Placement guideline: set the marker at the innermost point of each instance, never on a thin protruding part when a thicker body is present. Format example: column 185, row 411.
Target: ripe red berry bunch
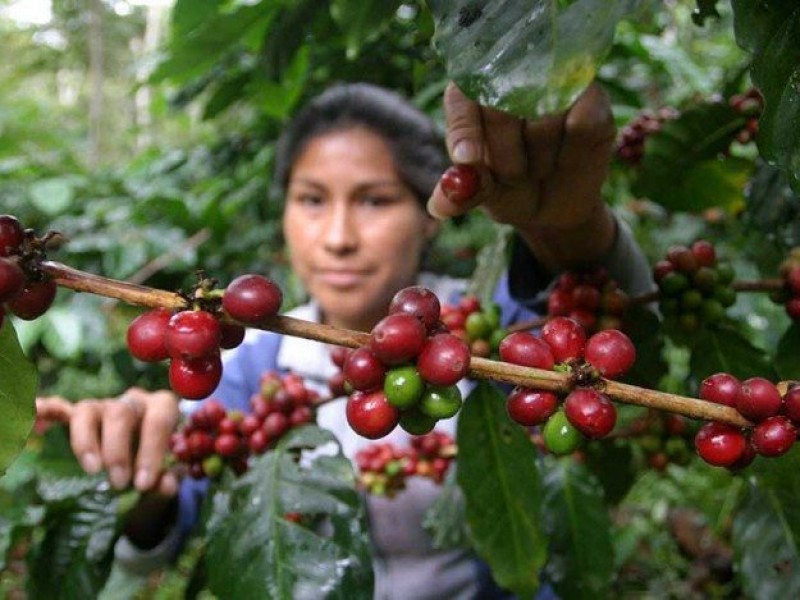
column 695, row 287
column 789, row 296
column 776, row 417
column 408, row 371
column 192, row 339
column 384, row 468
column 630, row 148
column 750, row 105
column 476, row 324
column 663, row 438
column 586, row 411
column 24, row 290
column 213, row 437
column 591, row 298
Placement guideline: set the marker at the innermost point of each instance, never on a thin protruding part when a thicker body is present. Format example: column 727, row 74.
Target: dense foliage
column 181, row 190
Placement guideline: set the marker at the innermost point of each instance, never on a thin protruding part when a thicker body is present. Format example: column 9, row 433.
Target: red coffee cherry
column 591, row 412
column 773, row 436
column 791, row 405
column 611, row 352
column 397, row 338
column 252, row 298
column 758, row 398
column 419, row 302
column 525, row 349
column 704, row 252
column 227, row 445
column 146, row 335
column 231, row 335
column 719, row 444
column 722, row 388
column 195, row 379
column 363, row 370
column 565, row 337
column 661, row 269
column 12, row 279
column 11, row 235
column 192, row 334
column 371, row 415
column 444, row 359
column 460, row 183
column 34, row 299
column 531, row 407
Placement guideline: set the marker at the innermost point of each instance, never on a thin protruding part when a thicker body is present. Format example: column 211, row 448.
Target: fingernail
column 465, row 151
column 432, row 211
column 90, row 462
column 118, row 476
column 142, row 481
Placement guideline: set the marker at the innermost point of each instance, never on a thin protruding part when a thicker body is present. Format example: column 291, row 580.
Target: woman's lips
column 341, row 278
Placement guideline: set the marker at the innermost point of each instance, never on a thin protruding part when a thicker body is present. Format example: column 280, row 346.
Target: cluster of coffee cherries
column 408, row 371
column 213, row 437
column 586, row 411
column 591, row 298
column 750, row 105
column 24, row 290
column 775, row 415
column 476, row 324
column 632, row 138
column 384, row 468
column 663, row 438
column 695, row 288
column 192, row 339
column 789, row 296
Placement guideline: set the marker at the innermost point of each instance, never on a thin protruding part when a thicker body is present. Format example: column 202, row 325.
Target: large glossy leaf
column 500, row 480
column 770, row 29
column 787, row 356
column 361, row 20
column 682, row 168
column 772, row 208
column 254, row 551
column 643, row 327
column 526, row 57
column 18, row 383
column 766, row 531
column 74, row 558
column 726, row 349
column 581, row 561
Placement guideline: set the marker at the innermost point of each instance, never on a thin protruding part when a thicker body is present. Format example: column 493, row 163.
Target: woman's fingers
column 158, row 422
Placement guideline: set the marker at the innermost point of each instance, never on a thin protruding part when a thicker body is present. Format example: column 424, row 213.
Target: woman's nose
column 341, row 233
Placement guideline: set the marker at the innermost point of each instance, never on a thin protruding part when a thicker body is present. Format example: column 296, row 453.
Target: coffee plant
column 619, row 444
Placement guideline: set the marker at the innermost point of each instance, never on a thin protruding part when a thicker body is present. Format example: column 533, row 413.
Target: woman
column 357, row 167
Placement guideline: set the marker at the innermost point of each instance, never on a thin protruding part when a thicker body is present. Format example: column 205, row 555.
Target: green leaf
column 52, row 196
column 726, row 349
column 498, row 475
column 770, row 29
column 74, row 558
column 361, row 20
column 526, row 57
column 18, row 382
column 255, row 552
column 766, row 529
column 643, row 327
column 682, row 167
column 581, row 562
column 445, row 520
column 773, row 209
column 787, row 356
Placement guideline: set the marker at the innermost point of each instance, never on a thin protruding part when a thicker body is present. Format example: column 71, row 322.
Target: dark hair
column 415, row 143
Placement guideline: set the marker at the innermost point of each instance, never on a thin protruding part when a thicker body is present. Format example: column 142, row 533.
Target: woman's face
column 355, row 231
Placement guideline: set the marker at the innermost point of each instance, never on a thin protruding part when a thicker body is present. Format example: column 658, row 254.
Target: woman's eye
column 309, row 199
column 376, row 200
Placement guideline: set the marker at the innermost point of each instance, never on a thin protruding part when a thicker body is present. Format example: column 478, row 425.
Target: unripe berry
column 440, row 402
column 559, row 435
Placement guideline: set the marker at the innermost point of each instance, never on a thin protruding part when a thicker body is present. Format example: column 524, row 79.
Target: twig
column 479, row 367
